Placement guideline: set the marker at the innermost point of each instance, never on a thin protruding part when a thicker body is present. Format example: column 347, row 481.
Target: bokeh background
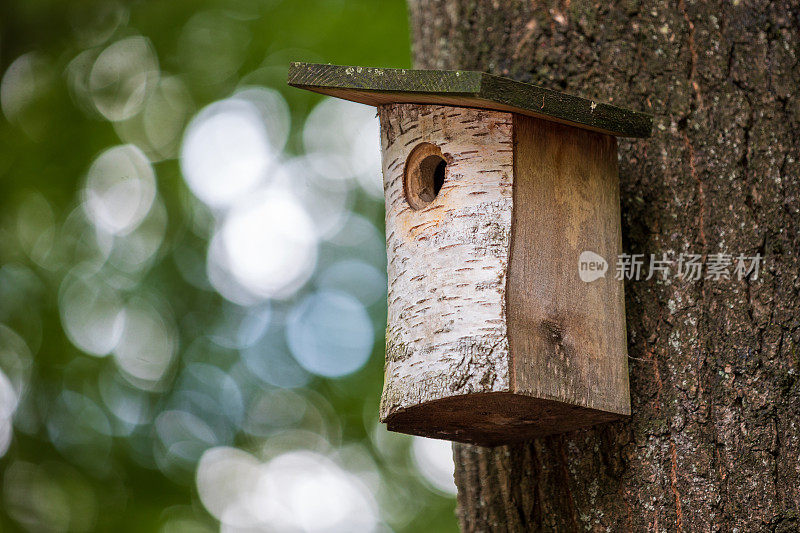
column 192, row 274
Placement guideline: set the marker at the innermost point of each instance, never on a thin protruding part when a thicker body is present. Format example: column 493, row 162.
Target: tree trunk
column 714, row 439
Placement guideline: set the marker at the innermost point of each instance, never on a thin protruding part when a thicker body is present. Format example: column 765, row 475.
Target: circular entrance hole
column 423, row 176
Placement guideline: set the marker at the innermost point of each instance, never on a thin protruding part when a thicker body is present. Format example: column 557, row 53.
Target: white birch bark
column 447, row 262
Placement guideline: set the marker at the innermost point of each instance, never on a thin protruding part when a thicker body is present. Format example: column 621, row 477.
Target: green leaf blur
column 174, row 355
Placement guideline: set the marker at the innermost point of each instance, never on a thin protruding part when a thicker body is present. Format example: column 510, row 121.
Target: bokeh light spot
column 120, row 189
column 226, row 478
column 146, row 347
column 23, row 91
column 330, row 334
column 36, row 227
column 182, row 439
column 92, row 314
column 268, row 245
column 226, row 152
column 80, row 430
column 158, row 129
column 295, row 491
column 135, row 251
column 354, row 277
column 122, row 77
column 306, row 491
column 434, row 460
column 351, row 131
column 270, row 361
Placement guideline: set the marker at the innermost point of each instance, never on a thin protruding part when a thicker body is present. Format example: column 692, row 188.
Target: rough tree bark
column 714, row 440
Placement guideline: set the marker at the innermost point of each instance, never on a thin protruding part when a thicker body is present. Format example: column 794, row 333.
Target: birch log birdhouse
column 494, row 189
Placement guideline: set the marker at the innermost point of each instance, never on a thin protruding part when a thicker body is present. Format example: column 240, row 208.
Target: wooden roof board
column 377, row 86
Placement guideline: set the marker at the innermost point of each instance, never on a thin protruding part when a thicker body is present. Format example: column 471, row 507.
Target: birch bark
column 447, row 262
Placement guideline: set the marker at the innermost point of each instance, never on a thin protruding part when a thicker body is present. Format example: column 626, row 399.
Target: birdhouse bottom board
column 492, row 336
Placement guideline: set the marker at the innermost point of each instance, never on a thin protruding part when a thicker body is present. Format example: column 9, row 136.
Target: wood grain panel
column 567, row 336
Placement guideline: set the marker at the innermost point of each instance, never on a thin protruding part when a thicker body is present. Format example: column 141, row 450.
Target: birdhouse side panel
column 567, row 333
column 447, row 261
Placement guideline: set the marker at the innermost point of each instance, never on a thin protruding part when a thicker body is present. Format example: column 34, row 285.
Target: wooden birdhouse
column 494, row 190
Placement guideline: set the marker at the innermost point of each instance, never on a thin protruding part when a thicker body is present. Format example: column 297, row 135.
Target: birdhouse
column 494, row 190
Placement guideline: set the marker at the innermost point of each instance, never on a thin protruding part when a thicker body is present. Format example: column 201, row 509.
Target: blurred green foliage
column 71, row 464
